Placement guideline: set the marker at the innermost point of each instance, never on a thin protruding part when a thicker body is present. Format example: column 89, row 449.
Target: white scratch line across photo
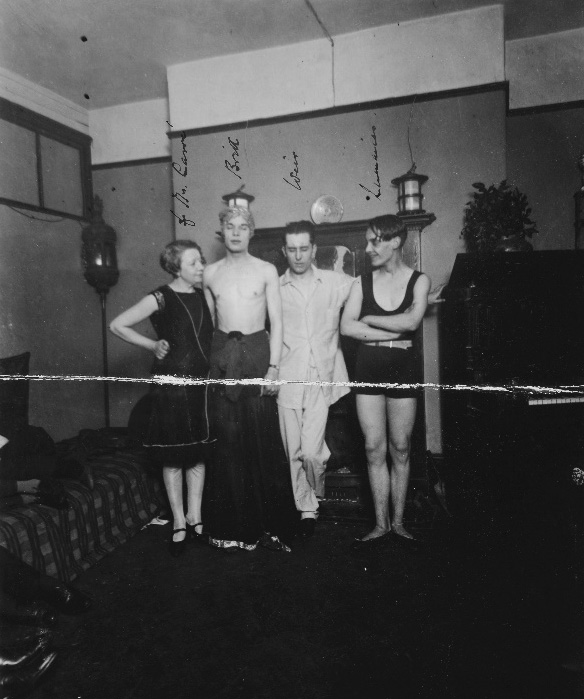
column 176, row 380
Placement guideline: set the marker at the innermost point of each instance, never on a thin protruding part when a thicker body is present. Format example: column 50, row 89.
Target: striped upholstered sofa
column 64, row 542
column 125, row 496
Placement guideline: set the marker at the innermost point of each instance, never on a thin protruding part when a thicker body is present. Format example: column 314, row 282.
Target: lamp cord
column 413, row 168
column 330, row 38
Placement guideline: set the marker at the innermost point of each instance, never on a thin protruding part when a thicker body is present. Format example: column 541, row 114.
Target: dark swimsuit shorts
column 387, row 365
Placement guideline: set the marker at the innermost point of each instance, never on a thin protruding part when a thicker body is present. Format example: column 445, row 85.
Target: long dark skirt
column 249, row 489
column 173, row 422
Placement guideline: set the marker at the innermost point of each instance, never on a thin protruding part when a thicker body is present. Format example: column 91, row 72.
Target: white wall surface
column 454, row 51
column 546, row 69
column 127, row 132
column 457, row 50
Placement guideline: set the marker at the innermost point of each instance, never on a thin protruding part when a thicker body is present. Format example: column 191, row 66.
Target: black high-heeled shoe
column 194, row 535
column 177, row 548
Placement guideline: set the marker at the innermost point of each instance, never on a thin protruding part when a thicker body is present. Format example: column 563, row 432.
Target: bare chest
column 232, row 286
column 389, row 294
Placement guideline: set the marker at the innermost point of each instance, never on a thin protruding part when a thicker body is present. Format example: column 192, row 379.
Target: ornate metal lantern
column 100, row 264
column 409, row 192
column 99, row 251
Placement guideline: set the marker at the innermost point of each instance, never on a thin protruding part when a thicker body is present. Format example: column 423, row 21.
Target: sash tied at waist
column 238, row 356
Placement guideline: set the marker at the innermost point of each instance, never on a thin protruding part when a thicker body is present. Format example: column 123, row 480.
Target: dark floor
column 322, row 622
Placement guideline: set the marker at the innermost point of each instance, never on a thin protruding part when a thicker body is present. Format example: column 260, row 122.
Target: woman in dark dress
column 383, row 310
column 174, row 418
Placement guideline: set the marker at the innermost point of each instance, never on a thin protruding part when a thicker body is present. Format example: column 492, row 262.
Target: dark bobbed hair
column 388, row 227
column 171, row 256
column 295, row 227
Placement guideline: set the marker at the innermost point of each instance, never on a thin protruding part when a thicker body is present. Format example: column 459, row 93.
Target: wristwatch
column 273, row 366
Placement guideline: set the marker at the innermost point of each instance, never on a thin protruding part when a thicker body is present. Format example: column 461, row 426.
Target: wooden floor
column 464, row 617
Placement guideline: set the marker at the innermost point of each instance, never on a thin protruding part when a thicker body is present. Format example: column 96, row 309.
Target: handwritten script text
column 182, row 170
column 377, row 184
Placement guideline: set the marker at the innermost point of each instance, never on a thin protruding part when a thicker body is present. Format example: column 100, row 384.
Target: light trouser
column 303, row 436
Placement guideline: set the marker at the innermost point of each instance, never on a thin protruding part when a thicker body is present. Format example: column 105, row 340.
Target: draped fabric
column 249, row 491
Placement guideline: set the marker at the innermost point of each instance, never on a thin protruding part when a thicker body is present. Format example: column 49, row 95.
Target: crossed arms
column 380, row 328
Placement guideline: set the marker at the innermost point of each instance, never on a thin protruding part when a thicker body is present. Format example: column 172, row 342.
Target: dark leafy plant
column 494, row 213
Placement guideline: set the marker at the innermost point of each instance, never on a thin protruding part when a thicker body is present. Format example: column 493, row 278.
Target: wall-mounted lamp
column 100, row 269
column 98, row 253
column 409, row 186
column 238, row 198
column 409, row 192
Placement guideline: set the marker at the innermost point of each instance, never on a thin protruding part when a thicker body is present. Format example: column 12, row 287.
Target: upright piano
column 512, row 376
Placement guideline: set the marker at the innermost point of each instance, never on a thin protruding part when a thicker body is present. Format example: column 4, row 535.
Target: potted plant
column 497, row 218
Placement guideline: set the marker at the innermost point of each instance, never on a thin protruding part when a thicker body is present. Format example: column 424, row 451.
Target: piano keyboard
column 559, row 400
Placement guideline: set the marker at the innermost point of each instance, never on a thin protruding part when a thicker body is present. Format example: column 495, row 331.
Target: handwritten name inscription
column 377, row 183
column 293, row 173
column 232, row 165
column 182, row 170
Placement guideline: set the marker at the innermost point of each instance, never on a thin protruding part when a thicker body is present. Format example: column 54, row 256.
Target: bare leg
column 401, row 413
column 173, row 482
column 371, row 411
column 195, row 481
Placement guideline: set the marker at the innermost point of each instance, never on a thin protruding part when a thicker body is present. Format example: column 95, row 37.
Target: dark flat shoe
column 306, row 528
column 177, row 548
column 370, row 544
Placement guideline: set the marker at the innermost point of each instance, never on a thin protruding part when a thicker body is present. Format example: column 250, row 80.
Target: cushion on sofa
column 64, row 543
column 14, row 394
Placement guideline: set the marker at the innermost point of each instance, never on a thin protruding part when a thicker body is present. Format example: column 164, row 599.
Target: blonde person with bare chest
column 250, row 498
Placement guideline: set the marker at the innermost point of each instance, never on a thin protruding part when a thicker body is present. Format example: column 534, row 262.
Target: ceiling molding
column 19, row 90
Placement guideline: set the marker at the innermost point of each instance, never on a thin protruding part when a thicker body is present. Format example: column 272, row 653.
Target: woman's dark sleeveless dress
column 174, row 419
column 387, row 364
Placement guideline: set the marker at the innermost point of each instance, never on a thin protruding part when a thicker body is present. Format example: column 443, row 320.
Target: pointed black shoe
column 194, row 535
column 306, row 528
column 177, row 548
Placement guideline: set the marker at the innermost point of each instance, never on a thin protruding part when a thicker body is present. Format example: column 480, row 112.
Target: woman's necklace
column 192, row 321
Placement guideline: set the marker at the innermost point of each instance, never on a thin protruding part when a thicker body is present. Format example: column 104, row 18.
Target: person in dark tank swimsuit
column 383, row 311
